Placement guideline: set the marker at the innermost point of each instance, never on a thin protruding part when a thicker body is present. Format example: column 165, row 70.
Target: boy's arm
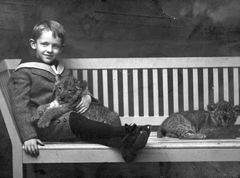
column 84, row 104
column 93, row 99
column 86, row 95
column 86, row 98
column 19, row 87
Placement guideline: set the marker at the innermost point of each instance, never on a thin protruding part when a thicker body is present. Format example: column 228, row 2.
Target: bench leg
column 17, row 163
column 18, row 167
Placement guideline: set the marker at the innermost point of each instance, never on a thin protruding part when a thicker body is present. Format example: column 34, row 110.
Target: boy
column 32, row 84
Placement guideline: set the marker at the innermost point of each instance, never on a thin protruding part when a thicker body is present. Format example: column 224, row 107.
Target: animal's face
column 68, row 87
column 224, row 114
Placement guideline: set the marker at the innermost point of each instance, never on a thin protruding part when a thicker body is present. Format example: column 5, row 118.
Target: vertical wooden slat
column 145, row 93
column 135, row 92
column 155, row 93
column 95, row 83
column 195, row 90
column 215, row 85
column 175, row 91
column 185, row 90
column 165, row 92
column 205, row 88
column 125, row 93
column 75, row 73
column 85, row 75
column 225, row 84
column 105, row 87
column 115, row 91
column 236, row 86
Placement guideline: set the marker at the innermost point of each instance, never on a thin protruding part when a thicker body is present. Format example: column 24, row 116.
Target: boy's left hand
column 84, row 104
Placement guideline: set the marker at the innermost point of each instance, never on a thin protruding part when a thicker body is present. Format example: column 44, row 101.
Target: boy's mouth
column 48, row 56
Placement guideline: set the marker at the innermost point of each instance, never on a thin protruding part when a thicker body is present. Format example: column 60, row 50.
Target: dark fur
column 68, row 92
column 200, row 124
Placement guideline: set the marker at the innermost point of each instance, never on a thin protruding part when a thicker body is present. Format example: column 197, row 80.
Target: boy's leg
column 129, row 139
column 89, row 130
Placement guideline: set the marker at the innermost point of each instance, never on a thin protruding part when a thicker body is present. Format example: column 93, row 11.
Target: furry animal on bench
column 214, row 123
column 68, row 92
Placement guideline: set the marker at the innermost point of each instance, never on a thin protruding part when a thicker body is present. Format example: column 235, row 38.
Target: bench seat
column 157, row 150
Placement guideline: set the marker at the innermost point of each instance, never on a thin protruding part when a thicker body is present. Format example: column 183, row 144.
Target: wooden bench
column 142, row 91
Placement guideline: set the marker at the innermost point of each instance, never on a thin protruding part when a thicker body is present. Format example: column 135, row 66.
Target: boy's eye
column 56, row 46
column 44, row 44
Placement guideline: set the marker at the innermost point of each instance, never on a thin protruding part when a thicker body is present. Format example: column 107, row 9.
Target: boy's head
column 49, row 25
column 47, row 40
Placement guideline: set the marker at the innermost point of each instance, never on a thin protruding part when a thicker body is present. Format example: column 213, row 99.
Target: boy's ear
column 63, row 45
column 32, row 43
column 211, row 107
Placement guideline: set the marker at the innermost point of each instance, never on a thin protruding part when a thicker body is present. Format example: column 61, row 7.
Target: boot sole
column 141, row 141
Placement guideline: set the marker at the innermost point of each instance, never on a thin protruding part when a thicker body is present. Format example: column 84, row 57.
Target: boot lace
column 131, row 129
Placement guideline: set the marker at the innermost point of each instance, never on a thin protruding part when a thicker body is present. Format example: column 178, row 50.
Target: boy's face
column 47, row 47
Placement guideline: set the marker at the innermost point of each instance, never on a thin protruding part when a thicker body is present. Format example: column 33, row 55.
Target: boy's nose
column 50, row 48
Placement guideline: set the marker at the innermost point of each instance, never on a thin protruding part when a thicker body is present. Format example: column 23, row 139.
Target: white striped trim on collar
column 37, row 65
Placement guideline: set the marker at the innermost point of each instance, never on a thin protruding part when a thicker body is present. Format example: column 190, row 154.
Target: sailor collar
column 37, row 65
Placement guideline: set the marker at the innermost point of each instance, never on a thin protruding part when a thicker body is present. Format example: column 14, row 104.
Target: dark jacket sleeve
column 19, row 86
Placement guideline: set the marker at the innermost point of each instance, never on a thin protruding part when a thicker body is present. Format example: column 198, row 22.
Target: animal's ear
column 237, row 109
column 82, row 85
column 211, row 107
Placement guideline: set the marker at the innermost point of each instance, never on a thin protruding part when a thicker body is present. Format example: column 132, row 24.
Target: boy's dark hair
column 55, row 27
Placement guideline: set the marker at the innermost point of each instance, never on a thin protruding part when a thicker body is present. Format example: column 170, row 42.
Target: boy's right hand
column 31, row 146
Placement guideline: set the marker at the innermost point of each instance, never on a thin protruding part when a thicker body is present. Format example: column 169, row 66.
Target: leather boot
column 135, row 139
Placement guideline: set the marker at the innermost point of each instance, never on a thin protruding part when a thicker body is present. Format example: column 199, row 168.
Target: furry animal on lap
column 217, row 122
column 68, row 92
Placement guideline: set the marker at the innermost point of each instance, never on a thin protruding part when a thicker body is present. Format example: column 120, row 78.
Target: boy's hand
column 31, row 146
column 84, row 104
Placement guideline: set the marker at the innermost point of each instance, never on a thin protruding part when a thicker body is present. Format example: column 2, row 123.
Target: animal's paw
column 201, row 136
column 43, row 123
column 194, row 136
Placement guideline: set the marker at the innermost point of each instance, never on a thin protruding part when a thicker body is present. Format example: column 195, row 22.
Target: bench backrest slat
column 151, row 62
column 115, row 90
column 105, row 87
column 205, row 87
column 236, row 85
